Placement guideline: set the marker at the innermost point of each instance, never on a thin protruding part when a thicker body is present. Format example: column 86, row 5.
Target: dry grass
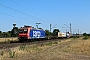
column 55, row 51
column 8, row 39
column 80, row 47
column 20, row 51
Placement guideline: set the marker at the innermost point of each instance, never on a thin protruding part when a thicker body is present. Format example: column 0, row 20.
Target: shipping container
column 61, row 34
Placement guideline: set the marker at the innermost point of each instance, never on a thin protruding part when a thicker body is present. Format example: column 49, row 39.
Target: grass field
column 70, row 49
column 8, row 39
column 80, row 47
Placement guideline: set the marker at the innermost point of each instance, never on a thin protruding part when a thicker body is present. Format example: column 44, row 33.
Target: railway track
column 17, row 43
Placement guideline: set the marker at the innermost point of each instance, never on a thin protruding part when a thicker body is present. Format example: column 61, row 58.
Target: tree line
column 14, row 33
column 15, row 30
column 85, row 34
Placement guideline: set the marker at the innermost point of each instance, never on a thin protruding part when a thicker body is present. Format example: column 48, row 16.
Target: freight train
column 30, row 33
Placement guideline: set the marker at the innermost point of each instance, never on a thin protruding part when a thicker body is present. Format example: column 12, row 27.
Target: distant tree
column 40, row 28
column 55, row 32
column 8, row 34
column 85, row 34
column 89, row 34
column 0, row 33
column 47, row 32
column 4, row 34
column 14, row 32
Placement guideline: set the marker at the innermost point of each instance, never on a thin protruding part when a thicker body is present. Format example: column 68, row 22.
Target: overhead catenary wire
column 31, row 11
column 14, row 16
column 28, row 9
column 17, row 17
column 20, row 12
column 17, row 10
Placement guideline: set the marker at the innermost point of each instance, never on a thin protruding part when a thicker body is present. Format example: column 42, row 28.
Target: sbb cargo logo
column 36, row 34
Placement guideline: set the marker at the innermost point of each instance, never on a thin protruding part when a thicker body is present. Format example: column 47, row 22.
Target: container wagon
column 63, row 35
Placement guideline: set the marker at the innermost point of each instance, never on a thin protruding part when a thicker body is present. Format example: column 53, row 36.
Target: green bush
column 55, row 43
column 1, row 53
column 22, row 47
column 11, row 54
column 85, row 38
column 42, row 44
column 8, row 41
column 49, row 44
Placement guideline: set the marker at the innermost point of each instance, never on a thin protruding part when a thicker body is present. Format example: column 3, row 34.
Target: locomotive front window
column 20, row 30
column 23, row 30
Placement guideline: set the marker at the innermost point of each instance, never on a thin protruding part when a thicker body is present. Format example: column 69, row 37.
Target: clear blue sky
column 60, row 12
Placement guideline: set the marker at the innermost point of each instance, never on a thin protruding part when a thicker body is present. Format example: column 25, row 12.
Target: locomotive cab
column 23, row 33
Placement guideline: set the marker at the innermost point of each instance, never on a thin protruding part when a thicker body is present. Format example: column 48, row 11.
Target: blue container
column 35, row 33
